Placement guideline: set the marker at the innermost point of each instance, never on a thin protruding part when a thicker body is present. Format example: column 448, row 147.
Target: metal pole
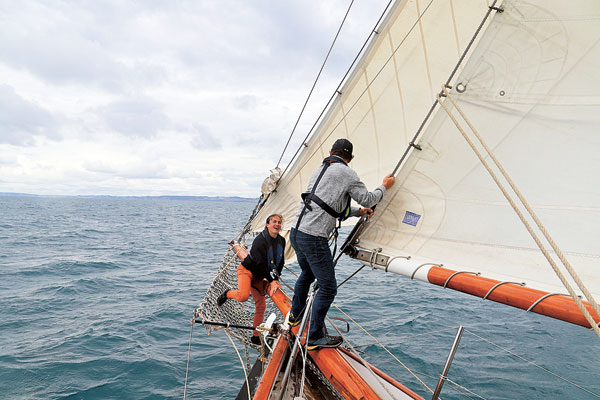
column 438, row 388
column 228, row 325
column 305, row 318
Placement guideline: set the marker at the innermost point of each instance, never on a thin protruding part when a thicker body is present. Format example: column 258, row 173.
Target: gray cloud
column 132, row 170
column 141, row 117
column 82, row 44
column 21, row 120
column 245, row 102
column 227, row 77
column 203, row 139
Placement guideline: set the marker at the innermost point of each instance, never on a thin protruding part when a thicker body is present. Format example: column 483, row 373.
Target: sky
column 154, row 97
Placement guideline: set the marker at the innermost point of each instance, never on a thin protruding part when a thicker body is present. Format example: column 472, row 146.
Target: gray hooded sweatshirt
column 338, row 180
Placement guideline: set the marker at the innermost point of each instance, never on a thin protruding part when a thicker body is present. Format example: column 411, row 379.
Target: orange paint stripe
column 559, row 307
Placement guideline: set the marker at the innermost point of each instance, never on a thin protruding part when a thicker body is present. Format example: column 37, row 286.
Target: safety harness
column 273, row 259
column 307, row 197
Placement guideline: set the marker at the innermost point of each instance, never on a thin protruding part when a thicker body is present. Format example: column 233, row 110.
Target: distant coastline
column 164, row 197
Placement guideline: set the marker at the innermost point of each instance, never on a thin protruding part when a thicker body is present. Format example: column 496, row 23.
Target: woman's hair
column 274, row 215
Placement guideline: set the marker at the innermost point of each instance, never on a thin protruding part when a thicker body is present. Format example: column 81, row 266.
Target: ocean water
column 96, row 297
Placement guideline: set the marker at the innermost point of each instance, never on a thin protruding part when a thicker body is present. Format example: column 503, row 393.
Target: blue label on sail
column 411, row 218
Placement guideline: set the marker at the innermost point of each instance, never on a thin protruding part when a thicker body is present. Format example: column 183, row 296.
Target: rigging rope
column 463, row 388
column 515, row 207
column 411, row 336
column 242, row 361
column 187, row 368
column 380, row 380
column 534, row 364
column 315, row 82
column 383, row 347
column 337, row 90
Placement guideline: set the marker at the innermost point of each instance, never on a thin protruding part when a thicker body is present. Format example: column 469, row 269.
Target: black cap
column 343, row 145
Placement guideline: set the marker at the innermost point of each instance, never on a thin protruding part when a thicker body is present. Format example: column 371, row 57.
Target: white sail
column 531, row 90
column 387, row 96
column 528, row 83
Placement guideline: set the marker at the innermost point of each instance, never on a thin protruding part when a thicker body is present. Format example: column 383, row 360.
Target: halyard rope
column 539, row 224
column 535, row 237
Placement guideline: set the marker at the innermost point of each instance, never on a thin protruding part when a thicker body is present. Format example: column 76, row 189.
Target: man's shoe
column 294, row 321
column 222, row 298
column 325, row 341
column 255, row 340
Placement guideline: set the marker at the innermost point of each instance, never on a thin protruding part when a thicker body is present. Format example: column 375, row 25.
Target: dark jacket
column 260, row 261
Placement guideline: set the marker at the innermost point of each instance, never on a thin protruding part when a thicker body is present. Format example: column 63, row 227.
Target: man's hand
column 364, row 211
column 389, row 181
column 273, row 275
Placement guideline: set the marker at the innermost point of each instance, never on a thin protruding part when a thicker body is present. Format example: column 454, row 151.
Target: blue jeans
column 316, row 261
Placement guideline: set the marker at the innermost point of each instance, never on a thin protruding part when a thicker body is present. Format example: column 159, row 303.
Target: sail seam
column 433, row 106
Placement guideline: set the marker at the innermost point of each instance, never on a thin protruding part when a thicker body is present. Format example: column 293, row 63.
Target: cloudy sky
column 154, row 97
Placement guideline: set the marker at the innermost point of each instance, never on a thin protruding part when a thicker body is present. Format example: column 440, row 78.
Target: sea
column 96, row 297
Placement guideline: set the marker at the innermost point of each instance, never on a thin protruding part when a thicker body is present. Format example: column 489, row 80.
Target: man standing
column 327, row 198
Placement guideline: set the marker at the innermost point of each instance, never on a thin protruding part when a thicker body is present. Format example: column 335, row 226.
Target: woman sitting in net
column 261, row 267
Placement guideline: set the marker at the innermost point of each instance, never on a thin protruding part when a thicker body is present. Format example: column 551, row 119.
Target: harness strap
column 342, row 215
column 273, row 259
column 326, row 165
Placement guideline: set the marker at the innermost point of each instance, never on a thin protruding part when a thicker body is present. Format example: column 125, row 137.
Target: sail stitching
column 535, row 237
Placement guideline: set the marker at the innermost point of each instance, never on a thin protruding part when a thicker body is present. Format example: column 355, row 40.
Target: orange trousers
column 246, row 285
